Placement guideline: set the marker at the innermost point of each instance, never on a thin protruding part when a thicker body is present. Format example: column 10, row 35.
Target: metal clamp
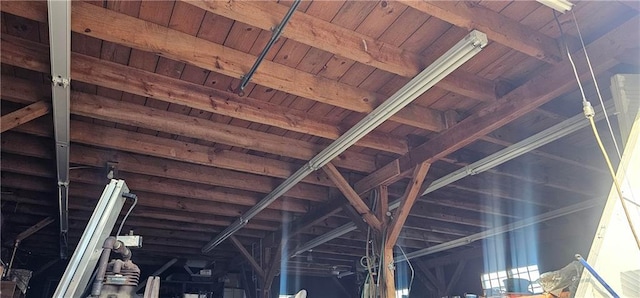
column 60, row 81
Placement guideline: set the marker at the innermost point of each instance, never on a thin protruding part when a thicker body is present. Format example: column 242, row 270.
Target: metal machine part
column 120, row 280
column 78, row 273
column 110, row 244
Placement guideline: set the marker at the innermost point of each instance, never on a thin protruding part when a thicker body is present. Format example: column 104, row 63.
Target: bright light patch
column 402, row 293
column 494, row 281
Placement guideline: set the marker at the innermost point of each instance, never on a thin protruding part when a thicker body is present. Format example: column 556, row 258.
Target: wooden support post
column 24, row 115
column 383, row 204
column 410, row 196
column 352, row 196
column 270, row 273
column 247, row 256
column 439, row 287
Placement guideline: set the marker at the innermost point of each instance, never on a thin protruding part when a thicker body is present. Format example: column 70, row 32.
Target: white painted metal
column 60, row 49
column 76, row 277
column 614, row 253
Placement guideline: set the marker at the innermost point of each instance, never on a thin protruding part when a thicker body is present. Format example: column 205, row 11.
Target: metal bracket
column 60, row 81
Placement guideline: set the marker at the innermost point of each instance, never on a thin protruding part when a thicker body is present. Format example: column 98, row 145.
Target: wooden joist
column 247, row 256
column 332, row 38
column 34, row 56
column 354, row 199
column 498, row 28
column 96, row 22
column 24, row 115
column 548, row 85
column 157, row 169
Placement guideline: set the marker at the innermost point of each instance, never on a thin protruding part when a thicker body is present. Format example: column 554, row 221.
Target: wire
column 595, row 83
column 615, row 181
column 589, row 113
column 412, row 271
column 573, row 65
column 135, row 201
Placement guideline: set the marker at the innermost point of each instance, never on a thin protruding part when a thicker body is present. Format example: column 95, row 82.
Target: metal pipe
column 274, row 37
column 597, row 276
column 111, row 243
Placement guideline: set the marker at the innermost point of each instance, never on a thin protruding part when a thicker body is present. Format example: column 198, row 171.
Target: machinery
column 117, row 278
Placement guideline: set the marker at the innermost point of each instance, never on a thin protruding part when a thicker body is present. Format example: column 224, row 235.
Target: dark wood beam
column 186, row 175
column 354, row 199
column 408, row 199
column 247, row 256
column 332, row 38
column 498, row 28
column 551, row 83
column 455, row 277
column 35, row 56
column 95, row 21
column 24, row 115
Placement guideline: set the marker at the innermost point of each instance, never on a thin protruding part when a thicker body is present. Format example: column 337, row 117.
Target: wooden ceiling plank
column 15, row 51
column 548, row 85
column 497, row 27
column 230, row 62
column 157, row 169
column 95, row 21
column 350, row 44
column 24, row 115
column 27, row 166
column 354, row 199
column 118, row 139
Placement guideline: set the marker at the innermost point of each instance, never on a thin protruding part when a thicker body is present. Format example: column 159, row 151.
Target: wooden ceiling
column 152, row 91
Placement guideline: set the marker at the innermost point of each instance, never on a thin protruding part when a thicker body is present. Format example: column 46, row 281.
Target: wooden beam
column 34, row 229
column 383, row 204
column 303, row 223
column 332, row 38
column 353, row 198
column 34, row 56
column 158, row 168
column 410, row 196
column 272, row 269
column 551, row 83
column 137, row 115
column 498, row 28
column 455, row 277
column 247, row 256
column 97, row 22
column 431, row 277
column 24, row 115
column 355, row 217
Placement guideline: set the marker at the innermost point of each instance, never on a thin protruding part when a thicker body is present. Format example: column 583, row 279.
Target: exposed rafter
column 498, row 27
column 524, row 99
column 334, row 39
column 24, row 115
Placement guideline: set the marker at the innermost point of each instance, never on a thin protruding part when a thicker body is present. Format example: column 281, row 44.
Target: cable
column 135, row 201
column 573, row 65
column 412, row 271
column 589, row 113
column 613, row 175
column 595, row 83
